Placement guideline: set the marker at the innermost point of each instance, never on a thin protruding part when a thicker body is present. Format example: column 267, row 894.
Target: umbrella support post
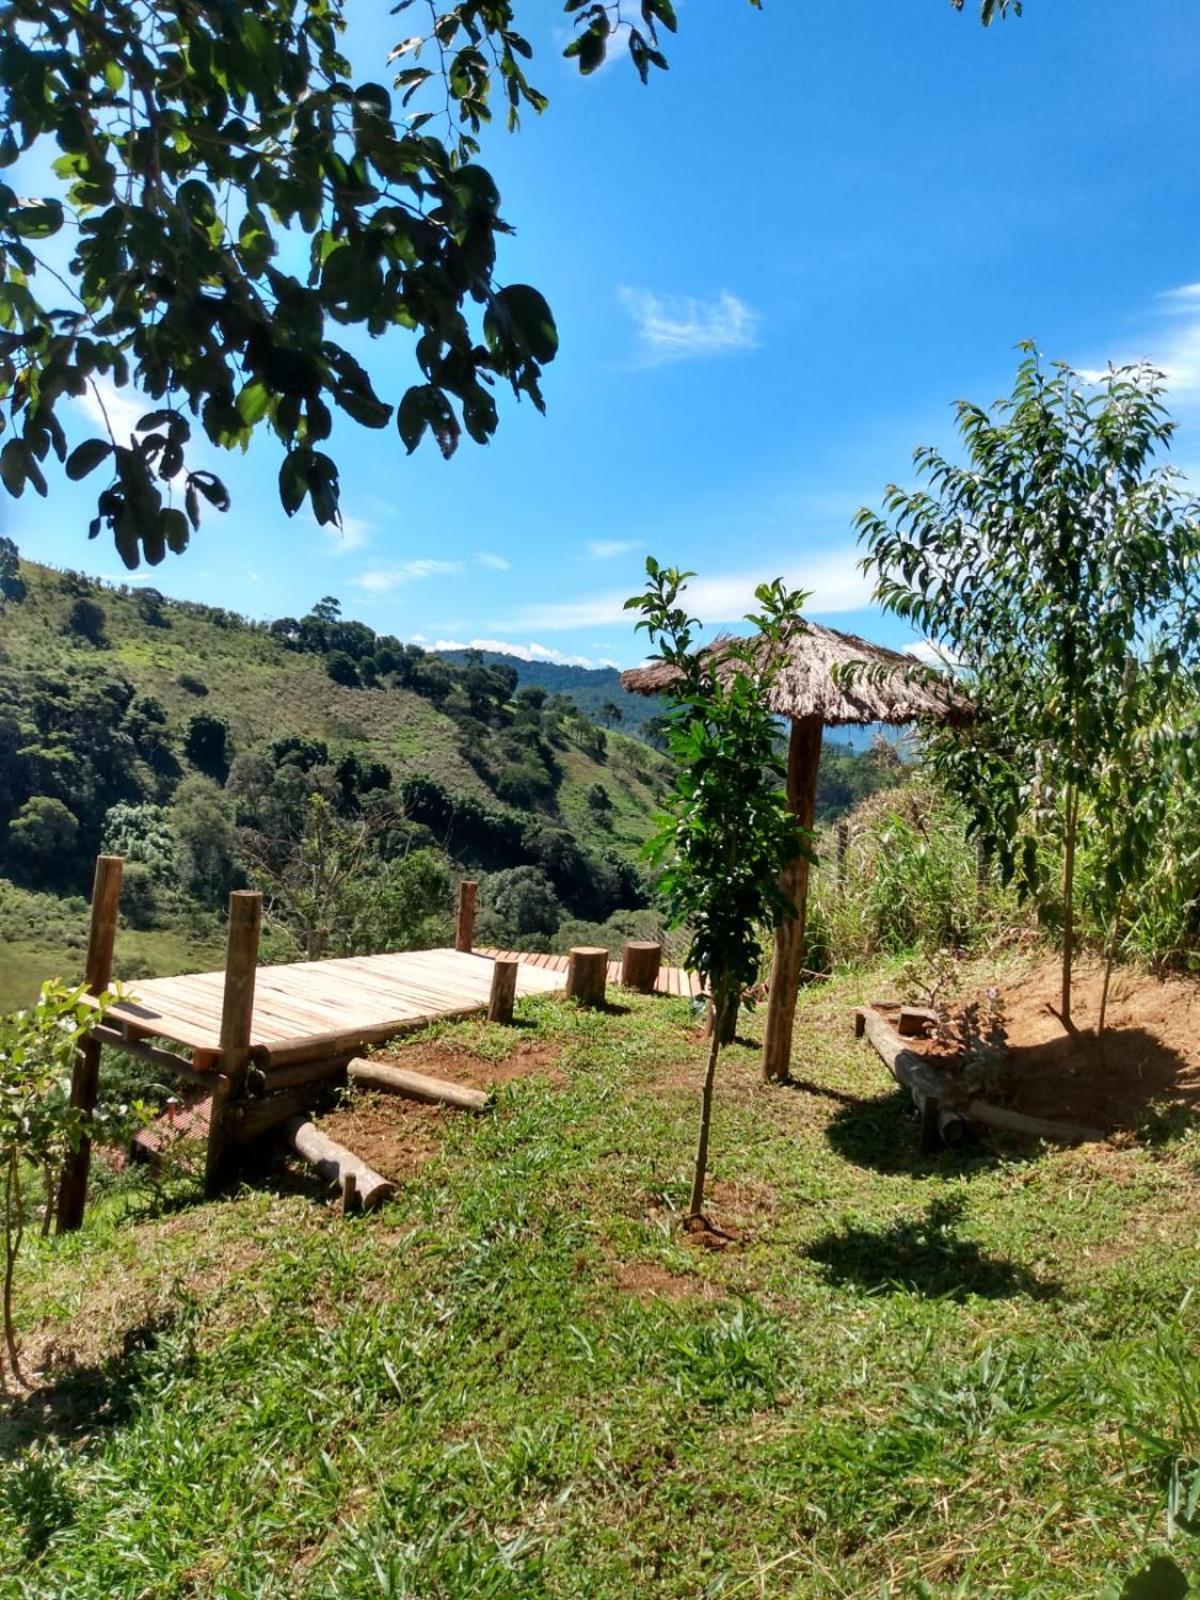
column 804, row 759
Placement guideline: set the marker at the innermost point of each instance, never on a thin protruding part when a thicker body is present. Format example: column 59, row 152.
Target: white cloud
column 606, row 549
column 1172, row 345
column 678, row 327
column 352, row 535
column 381, row 580
column 110, row 407
column 493, row 562
column 832, row 577
column 932, row 655
column 526, row 652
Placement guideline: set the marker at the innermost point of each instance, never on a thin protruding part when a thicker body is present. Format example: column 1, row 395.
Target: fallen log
column 930, row 1089
column 926, row 1085
column 336, row 1164
column 364, row 1074
column 1036, row 1127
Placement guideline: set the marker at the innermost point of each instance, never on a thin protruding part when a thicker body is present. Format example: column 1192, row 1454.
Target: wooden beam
column 641, row 962
column 389, row 1079
column 504, row 991
column 117, row 1040
column 335, row 1163
column 587, row 974
column 464, row 934
column 237, row 1016
column 85, row 1074
column 804, row 759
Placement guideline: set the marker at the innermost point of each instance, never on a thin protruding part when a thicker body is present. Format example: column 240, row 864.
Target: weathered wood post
column 843, row 850
column 587, row 973
column 85, row 1075
column 464, row 934
column 237, row 1015
column 641, row 961
column 804, row 758
column 504, row 991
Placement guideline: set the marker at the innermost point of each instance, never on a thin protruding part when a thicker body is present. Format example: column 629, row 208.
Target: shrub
column 208, row 747
column 86, row 621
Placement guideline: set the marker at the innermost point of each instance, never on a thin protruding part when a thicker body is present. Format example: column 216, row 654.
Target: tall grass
column 910, row 880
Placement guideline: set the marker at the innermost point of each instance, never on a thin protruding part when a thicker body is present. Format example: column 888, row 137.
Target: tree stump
column 641, row 961
column 504, row 991
column 587, row 974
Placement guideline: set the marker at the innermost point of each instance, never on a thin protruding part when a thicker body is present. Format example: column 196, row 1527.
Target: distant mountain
column 589, row 687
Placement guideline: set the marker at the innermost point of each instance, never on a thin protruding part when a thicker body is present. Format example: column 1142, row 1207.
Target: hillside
column 593, row 689
column 203, row 726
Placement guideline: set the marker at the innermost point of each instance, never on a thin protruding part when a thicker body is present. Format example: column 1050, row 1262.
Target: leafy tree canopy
column 199, row 150
column 1059, row 566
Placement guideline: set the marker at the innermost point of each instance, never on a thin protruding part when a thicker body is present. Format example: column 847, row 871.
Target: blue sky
column 773, row 270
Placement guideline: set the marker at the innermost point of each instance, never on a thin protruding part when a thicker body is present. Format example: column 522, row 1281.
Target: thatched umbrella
column 830, row 679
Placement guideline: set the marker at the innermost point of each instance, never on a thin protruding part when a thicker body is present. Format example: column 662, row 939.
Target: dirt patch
column 647, row 1282
column 445, row 1058
column 1147, row 1065
column 396, row 1136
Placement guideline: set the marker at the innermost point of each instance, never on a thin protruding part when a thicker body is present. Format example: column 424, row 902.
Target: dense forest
column 350, row 775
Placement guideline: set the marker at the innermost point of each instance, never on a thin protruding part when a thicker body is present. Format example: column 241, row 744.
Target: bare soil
column 397, row 1136
column 1147, row 1065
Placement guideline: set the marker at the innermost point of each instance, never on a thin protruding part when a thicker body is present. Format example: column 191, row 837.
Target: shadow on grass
column 925, row 1255
column 884, row 1134
column 75, row 1400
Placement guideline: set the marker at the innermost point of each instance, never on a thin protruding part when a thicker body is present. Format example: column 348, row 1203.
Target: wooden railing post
column 464, row 937
column 237, row 1016
column 587, row 974
column 85, row 1075
column 641, row 962
column 504, row 991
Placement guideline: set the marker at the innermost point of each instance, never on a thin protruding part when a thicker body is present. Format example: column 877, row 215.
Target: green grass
column 964, row 1376
column 45, row 936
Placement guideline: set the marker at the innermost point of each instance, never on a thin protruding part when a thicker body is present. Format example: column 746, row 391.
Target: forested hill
column 596, row 691
column 177, row 732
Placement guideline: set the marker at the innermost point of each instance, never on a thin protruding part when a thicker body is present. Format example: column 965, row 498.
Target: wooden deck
column 671, row 980
column 308, row 1008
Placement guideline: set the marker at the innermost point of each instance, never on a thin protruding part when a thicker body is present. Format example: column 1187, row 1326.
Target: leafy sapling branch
column 727, row 833
column 39, row 1127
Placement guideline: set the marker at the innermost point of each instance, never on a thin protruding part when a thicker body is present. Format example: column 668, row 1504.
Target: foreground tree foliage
column 1058, row 569
column 727, row 833
column 202, row 152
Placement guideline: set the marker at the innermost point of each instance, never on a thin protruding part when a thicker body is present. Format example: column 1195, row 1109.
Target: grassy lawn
column 965, row 1376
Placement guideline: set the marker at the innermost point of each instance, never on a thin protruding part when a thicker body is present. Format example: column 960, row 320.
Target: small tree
column 1057, row 567
column 727, row 834
column 39, row 1126
column 208, row 746
column 86, row 621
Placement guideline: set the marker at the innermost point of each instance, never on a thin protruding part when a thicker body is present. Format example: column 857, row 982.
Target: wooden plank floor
column 364, row 995
column 671, row 980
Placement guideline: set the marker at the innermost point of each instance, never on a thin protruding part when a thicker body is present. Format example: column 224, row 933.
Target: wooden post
column 587, row 973
column 804, row 758
column 464, row 937
column 237, row 1015
column 85, row 1075
column 641, row 961
column 504, row 991
column 843, row 850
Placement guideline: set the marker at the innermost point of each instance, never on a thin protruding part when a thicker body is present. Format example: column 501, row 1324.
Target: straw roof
column 879, row 685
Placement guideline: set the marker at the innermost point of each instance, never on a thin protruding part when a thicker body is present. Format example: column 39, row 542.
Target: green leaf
column 86, row 457
column 525, row 309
